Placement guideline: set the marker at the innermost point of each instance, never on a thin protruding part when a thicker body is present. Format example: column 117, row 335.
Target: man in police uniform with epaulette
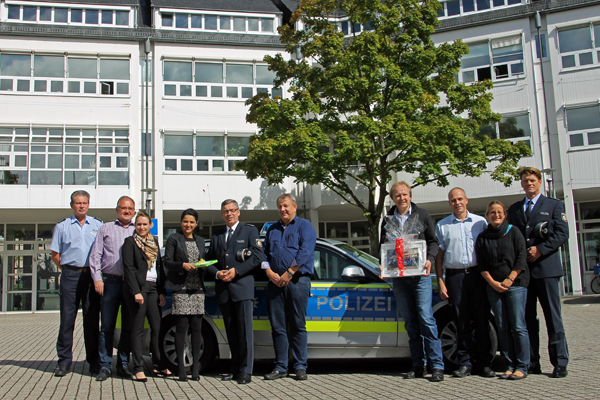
column 71, row 243
column 543, row 259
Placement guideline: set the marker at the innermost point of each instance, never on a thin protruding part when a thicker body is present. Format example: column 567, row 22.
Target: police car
column 351, row 314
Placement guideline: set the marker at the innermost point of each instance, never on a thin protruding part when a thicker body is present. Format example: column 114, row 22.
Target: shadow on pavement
column 586, row 299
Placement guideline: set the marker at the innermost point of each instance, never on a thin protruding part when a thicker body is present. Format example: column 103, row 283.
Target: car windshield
column 367, row 258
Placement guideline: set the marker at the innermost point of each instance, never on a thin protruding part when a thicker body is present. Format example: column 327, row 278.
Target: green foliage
column 385, row 100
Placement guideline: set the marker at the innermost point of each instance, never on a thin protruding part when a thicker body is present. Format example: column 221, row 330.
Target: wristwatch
column 290, row 274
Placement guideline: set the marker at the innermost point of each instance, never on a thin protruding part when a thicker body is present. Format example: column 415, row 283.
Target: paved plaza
column 28, row 357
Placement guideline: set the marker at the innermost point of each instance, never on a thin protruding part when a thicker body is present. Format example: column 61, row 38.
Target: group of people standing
column 119, row 264
column 507, row 264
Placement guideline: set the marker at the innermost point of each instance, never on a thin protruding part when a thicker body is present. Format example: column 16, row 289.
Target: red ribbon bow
column 400, row 256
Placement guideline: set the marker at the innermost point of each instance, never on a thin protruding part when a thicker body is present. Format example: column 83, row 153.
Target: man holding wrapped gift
column 414, row 293
column 464, row 287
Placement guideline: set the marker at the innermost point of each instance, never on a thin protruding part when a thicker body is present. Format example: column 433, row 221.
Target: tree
column 382, row 101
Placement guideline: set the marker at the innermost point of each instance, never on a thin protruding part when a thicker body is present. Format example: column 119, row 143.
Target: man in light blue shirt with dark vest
column 72, row 241
column 463, row 286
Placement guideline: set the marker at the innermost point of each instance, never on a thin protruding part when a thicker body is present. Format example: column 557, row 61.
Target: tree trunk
column 374, row 236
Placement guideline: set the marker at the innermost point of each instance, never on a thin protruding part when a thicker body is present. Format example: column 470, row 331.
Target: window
column 583, row 126
column 61, row 15
column 577, row 46
column 217, row 80
column 329, row 266
column 537, row 46
column 204, row 152
column 60, row 74
column 217, row 22
column 57, row 156
column 496, row 59
column 515, row 128
column 452, row 8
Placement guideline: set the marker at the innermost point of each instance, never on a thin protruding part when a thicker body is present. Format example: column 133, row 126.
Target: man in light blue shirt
column 464, row 287
column 72, row 241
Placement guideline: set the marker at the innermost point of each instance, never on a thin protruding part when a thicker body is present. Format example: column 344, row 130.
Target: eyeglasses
column 225, row 212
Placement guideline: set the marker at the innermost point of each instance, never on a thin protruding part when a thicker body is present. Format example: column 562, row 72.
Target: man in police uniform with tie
column 544, row 263
column 71, row 243
column 234, row 286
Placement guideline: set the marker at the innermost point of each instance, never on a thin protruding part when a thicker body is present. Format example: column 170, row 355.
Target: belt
column 116, row 277
column 76, row 269
column 461, row 270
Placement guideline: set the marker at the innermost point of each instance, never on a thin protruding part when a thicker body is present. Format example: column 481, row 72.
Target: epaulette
column 62, row 220
column 98, row 219
column 250, row 225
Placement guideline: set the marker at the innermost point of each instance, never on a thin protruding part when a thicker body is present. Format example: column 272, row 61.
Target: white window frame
column 492, row 44
column 54, row 6
column 98, row 81
column 174, row 12
column 444, row 10
column 594, row 50
column 583, row 132
column 194, row 158
column 223, row 85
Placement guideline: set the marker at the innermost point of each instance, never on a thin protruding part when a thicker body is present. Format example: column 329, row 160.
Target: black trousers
column 548, row 293
column 237, row 317
column 139, row 312
column 471, row 308
column 77, row 287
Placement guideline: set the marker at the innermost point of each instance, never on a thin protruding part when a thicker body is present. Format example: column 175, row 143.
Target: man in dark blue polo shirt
column 289, row 264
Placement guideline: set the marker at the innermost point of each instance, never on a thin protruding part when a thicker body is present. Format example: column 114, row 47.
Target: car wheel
column 167, row 342
column 448, row 334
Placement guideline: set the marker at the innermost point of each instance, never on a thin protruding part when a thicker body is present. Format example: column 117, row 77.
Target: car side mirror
column 353, row 274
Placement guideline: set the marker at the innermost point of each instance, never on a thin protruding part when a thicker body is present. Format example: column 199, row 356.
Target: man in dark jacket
column 414, row 293
column 234, row 286
column 545, row 267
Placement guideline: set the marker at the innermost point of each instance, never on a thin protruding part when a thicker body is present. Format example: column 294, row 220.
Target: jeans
column 109, row 308
column 77, row 287
column 287, row 314
column 509, row 313
column 413, row 301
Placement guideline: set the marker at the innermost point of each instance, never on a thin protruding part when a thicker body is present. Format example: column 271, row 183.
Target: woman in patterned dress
column 183, row 250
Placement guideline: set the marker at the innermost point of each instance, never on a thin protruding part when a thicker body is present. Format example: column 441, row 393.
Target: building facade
column 147, row 99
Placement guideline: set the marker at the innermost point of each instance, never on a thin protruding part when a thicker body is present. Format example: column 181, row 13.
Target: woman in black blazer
column 144, row 292
column 182, row 252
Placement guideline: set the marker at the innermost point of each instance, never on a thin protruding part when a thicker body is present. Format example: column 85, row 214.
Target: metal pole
column 146, row 133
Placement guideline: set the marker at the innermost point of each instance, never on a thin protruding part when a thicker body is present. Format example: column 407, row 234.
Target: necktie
column 529, row 207
column 229, row 231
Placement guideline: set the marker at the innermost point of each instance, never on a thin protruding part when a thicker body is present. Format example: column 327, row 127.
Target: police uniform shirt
column 533, row 202
column 74, row 242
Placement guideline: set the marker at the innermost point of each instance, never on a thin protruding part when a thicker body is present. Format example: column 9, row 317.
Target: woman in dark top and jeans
column 501, row 259
column 183, row 250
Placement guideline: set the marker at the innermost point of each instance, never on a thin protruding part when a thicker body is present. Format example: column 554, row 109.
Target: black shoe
column 417, row 372
column 124, row 372
column 487, row 372
column 103, row 375
column 228, row 377
column 195, row 378
column 437, row 375
column 62, row 370
column 462, row 372
column 534, row 369
column 243, row 379
column 301, row 375
column 275, row 374
column 94, row 369
column 560, row 372
column 514, row 377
